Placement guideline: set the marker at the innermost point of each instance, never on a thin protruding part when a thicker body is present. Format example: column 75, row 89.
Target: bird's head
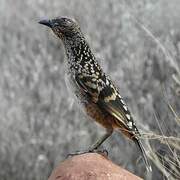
column 63, row 27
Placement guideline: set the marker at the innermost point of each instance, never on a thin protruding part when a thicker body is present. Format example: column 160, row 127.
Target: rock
column 90, row 166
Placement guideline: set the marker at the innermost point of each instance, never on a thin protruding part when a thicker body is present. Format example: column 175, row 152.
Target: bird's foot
column 103, row 152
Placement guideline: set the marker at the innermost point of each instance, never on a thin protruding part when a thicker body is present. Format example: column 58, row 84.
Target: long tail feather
column 139, row 144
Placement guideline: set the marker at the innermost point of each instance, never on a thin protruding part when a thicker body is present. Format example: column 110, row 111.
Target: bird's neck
column 78, row 51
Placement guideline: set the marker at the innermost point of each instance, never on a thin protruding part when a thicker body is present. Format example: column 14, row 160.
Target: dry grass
column 168, row 164
column 138, row 44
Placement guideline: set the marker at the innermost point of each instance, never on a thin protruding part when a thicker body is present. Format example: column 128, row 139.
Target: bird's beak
column 46, row 22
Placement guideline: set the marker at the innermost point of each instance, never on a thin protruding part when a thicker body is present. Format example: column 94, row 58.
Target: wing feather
column 108, row 99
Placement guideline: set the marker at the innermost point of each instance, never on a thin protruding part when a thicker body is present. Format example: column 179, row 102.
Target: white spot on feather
column 122, row 101
column 128, row 117
column 125, row 107
column 130, row 124
column 119, row 96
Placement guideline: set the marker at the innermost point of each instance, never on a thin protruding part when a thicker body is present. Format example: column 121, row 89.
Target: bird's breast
column 74, row 88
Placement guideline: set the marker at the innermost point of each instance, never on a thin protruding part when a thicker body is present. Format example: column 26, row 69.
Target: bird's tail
column 145, row 158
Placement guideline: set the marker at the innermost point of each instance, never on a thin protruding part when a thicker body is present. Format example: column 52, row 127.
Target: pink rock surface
column 90, row 166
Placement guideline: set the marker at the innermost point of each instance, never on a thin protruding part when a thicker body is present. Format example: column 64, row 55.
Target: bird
column 96, row 92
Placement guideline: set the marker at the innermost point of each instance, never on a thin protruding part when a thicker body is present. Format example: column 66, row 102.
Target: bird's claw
column 77, row 153
column 104, row 152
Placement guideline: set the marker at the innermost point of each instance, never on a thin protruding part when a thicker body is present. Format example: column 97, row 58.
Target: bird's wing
column 88, row 84
column 104, row 93
column 110, row 100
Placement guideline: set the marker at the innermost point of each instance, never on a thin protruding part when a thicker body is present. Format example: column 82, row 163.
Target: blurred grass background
column 40, row 124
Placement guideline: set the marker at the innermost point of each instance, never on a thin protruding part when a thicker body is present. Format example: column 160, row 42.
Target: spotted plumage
column 95, row 90
column 90, row 77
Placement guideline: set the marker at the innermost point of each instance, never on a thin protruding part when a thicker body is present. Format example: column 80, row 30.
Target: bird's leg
column 95, row 146
column 100, row 140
